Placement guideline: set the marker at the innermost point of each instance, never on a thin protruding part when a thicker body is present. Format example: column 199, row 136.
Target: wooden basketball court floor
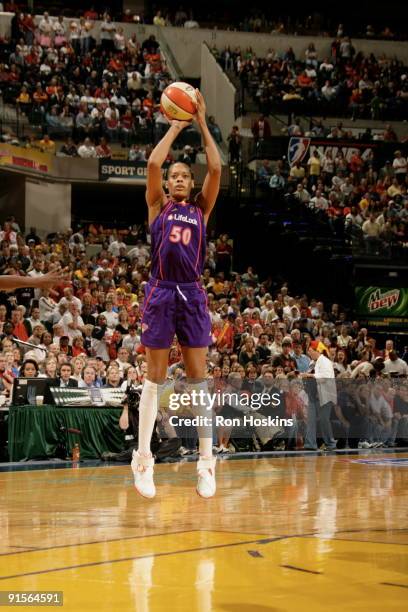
column 283, row 533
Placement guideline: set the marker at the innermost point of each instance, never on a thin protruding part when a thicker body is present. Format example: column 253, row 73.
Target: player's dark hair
column 179, row 162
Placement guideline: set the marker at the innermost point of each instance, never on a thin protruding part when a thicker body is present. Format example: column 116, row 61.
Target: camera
column 132, row 398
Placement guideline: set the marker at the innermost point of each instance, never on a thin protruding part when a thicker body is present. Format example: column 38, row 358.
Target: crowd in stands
column 318, row 129
column 354, row 195
column 88, row 331
column 64, row 82
column 265, row 19
column 345, row 83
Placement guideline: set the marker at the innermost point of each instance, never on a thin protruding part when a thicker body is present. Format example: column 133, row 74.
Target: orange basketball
column 178, row 101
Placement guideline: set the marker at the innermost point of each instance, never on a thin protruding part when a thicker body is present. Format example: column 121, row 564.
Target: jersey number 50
column 182, row 234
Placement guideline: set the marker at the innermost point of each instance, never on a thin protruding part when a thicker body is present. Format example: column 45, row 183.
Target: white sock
column 204, row 431
column 149, row 402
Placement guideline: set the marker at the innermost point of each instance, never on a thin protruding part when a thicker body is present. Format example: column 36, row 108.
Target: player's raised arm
column 208, row 195
column 154, row 188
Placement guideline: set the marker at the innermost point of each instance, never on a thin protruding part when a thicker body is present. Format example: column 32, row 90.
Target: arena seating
column 345, row 84
column 64, row 85
column 69, row 88
column 252, row 319
column 360, row 202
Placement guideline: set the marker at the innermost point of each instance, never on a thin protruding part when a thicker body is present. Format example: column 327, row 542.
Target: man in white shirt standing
column 400, row 167
column 327, row 398
column 107, row 33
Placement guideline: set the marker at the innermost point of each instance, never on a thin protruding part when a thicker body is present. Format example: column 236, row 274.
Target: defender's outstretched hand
column 47, row 281
column 53, row 278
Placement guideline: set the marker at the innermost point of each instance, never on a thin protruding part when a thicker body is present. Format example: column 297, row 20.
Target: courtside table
column 34, row 431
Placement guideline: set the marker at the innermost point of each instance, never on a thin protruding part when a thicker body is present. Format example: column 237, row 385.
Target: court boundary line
column 302, row 569
column 371, row 541
column 262, row 540
column 59, row 546
column 148, row 556
column 189, row 550
column 25, row 547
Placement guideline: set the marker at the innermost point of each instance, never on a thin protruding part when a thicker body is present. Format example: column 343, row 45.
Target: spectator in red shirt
column 356, row 164
column 91, row 13
column 20, row 329
column 224, row 335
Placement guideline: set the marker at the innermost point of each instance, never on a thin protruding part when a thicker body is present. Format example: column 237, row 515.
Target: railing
column 173, row 67
column 398, row 111
column 34, row 124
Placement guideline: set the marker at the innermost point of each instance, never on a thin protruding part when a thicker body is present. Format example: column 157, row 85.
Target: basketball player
column 175, row 301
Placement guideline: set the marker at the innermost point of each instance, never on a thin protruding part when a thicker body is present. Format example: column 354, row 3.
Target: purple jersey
column 178, row 243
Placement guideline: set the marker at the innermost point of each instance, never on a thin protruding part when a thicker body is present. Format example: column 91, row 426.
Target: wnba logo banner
column 297, row 149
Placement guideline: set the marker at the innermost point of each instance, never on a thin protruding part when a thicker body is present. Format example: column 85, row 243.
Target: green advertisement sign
column 383, row 306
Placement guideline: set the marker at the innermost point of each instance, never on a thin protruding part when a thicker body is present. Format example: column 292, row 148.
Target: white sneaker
column 206, row 485
column 142, row 468
column 364, row 444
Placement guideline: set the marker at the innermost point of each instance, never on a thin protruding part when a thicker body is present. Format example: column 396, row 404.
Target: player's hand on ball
column 201, row 108
column 180, row 125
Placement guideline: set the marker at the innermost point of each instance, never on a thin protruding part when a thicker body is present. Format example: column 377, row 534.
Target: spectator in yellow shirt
column 218, row 286
column 297, row 172
column 47, row 145
column 394, row 189
column 364, row 202
column 314, row 167
column 158, row 20
column 24, row 100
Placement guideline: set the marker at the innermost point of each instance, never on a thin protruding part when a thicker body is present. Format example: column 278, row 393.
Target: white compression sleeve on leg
column 203, row 410
column 149, row 402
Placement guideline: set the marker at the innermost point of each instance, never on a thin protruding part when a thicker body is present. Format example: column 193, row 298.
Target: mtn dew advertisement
column 383, row 306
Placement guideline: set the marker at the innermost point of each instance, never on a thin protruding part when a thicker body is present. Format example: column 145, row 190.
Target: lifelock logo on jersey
column 182, row 218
